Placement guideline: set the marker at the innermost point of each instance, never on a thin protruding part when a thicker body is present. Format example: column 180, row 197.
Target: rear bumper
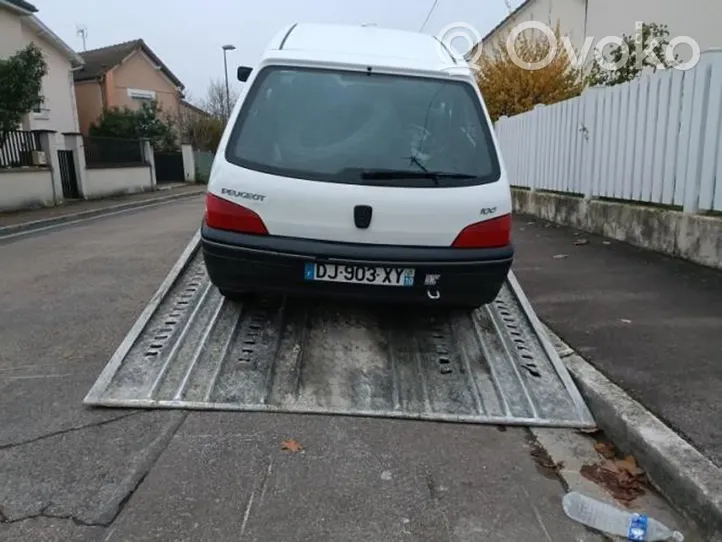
column 249, row 263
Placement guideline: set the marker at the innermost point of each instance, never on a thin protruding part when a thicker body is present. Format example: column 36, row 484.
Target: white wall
column 698, row 19
column 10, row 32
column 58, row 87
column 569, row 14
column 57, row 90
column 23, row 188
column 101, row 182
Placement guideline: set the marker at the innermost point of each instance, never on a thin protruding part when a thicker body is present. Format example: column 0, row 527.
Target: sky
column 188, row 34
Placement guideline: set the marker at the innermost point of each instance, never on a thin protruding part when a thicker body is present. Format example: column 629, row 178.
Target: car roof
column 362, row 45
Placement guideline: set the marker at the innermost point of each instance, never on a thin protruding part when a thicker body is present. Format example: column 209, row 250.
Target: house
column 567, row 13
column 579, row 19
column 19, row 26
column 190, row 112
column 124, row 75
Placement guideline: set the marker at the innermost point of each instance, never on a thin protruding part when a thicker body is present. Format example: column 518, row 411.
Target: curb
column 685, row 477
column 57, row 220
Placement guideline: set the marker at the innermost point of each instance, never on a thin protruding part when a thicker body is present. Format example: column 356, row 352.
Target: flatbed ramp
column 192, row 349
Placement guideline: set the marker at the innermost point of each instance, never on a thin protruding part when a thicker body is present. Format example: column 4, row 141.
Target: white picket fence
column 657, row 139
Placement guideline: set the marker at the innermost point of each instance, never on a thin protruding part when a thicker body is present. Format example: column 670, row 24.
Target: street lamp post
column 227, row 48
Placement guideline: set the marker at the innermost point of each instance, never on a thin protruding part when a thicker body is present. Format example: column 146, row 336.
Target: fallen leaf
column 610, row 466
column 291, row 445
column 581, row 242
column 619, row 483
column 629, row 464
column 606, row 450
column 561, row 256
column 542, row 458
column 630, row 459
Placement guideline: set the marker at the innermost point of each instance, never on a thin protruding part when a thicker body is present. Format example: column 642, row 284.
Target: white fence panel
column 560, row 138
column 671, row 153
column 657, row 139
column 580, row 138
column 597, row 137
column 661, row 130
column 631, row 137
column 699, row 111
column 529, row 146
column 712, row 154
column 641, row 133
column 605, row 103
column 589, row 104
column 547, row 131
column 621, row 143
column 650, row 140
column 718, row 186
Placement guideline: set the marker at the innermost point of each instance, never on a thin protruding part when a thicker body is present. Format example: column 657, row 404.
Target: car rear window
column 337, row 126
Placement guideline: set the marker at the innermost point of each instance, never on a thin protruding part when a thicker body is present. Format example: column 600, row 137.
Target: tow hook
column 433, row 293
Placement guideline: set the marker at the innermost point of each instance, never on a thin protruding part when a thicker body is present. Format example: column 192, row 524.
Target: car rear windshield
column 359, row 128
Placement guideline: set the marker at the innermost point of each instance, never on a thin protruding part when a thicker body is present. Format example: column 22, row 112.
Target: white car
column 361, row 162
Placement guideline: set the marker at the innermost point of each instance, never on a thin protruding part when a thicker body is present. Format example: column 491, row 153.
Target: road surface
column 71, row 473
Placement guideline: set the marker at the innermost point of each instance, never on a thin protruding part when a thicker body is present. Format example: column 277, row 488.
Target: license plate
column 380, row 276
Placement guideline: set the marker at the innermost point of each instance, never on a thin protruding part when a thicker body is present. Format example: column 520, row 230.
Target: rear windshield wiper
column 381, row 174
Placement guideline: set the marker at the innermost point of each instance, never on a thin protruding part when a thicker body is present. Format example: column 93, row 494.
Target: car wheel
column 465, row 307
column 238, row 297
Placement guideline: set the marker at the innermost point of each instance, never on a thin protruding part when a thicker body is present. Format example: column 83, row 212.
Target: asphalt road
column 70, row 473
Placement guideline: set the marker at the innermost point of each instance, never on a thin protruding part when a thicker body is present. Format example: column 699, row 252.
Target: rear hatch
column 350, row 157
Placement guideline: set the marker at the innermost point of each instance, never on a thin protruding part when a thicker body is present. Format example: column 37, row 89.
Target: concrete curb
column 58, row 220
column 685, row 477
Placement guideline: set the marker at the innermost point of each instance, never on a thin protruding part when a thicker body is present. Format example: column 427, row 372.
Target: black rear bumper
column 240, row 263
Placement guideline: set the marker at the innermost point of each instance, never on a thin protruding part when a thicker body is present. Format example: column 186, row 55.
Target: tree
column 630, row 58
column 215, row 100
column 146, row 122
column 203, row 133
column 21, row 83
column 510, row 82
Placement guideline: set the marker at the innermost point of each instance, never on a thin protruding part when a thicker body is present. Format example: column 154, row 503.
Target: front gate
column 68, row 175
column 169, row 167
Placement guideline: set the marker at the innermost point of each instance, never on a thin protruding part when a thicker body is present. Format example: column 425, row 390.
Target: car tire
column 465, row 307
column 238, row 297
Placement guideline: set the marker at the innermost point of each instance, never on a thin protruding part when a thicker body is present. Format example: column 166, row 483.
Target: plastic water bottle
column 611, row 520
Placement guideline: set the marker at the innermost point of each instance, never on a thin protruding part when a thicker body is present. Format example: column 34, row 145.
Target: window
column 331, row 126
column 141, row 95
column 40, row 111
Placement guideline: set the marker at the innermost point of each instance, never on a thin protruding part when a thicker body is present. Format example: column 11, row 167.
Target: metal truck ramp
column 192, row 349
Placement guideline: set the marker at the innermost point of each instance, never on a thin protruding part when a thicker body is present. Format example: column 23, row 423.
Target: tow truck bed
column 193, row 349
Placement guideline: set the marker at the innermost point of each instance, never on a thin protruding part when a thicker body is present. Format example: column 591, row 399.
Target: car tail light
column 225, row 215
column 494, row 233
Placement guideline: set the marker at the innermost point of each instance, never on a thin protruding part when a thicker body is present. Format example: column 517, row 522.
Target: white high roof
column 357, row 44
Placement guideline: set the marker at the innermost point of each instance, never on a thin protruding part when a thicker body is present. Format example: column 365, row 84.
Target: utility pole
column 227, row 48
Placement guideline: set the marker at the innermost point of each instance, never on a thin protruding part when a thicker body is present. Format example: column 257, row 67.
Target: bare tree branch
column 215, row 99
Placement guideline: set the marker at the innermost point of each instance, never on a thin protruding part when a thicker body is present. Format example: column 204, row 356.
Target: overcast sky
column 188, row 34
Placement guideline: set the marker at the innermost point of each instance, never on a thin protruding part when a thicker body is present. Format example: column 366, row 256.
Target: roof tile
column 27, row 6
column 99, row 61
